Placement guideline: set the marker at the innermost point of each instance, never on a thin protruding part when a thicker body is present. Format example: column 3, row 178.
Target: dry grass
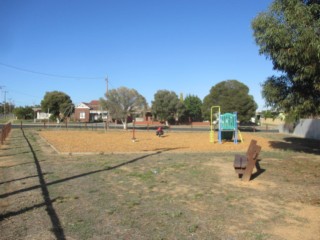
column 156, row 194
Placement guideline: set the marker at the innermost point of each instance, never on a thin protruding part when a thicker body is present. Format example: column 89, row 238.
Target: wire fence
column 7, row 116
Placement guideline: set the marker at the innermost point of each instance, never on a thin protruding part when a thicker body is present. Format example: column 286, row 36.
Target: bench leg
column 248, row 172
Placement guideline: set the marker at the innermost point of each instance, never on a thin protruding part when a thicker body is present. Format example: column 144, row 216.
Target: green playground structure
column 228, row 126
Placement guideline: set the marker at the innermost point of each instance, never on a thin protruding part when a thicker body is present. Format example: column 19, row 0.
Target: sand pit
column 146, row 141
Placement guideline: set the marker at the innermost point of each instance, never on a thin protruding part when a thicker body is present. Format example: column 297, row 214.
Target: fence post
column 5, row 132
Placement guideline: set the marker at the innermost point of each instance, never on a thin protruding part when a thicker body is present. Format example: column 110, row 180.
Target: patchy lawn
column 162, row 191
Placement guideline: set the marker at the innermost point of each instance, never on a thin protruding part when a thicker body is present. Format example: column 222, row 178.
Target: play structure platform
column 227, row 126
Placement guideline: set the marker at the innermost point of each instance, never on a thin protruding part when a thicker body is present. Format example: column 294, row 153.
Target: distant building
column 90, row 112
column 41, row 115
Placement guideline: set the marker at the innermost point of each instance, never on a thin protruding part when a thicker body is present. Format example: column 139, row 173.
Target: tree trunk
column 124, row 124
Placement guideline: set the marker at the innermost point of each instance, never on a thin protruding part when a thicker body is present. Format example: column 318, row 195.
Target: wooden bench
column 244, row 164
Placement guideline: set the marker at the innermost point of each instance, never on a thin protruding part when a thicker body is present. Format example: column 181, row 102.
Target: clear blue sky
column 185, row 46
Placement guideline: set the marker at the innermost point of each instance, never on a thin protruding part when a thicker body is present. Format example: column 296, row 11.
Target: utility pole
column 5, row 102
column 1, row 87
column 107, row 81
column 10, row 105
column 107, row 121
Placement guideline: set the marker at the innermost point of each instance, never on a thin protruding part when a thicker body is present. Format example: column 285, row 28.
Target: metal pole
column 5, row 102
column 211, row 124
column 133, row 132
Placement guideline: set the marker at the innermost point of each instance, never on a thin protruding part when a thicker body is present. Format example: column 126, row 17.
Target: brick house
column 90, row 112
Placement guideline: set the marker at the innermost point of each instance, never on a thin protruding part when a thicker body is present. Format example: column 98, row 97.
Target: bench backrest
column 252, row 156
column 253, row 150
column 252, row 144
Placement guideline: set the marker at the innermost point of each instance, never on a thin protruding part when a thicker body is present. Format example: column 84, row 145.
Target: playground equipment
column 228, row 123
column 211, row 122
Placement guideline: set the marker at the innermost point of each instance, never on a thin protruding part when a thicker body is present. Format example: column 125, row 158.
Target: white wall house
column 43, row 116
column 39, row 115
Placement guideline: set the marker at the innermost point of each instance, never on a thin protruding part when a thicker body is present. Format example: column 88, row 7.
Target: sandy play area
column 145, row 141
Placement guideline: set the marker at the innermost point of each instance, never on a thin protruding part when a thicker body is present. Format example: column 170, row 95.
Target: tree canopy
column 289, row 34
column 193, row 106
column 24, row 112
column 57, row 103
column 166, row 106
column 124, row 102
column 6, row 107
column 231, row 96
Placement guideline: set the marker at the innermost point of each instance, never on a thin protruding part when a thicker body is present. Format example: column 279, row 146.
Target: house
column 39, row 115
column 90, row 112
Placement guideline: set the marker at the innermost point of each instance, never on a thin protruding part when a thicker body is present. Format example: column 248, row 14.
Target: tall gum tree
column 193, row 106
column 288, row 34
column 123, row 103
column 231, row 96
column 57, row 103
column 166, row 106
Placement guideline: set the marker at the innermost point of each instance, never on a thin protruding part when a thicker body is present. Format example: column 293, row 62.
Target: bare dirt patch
column 155, row 193
column 121, row 141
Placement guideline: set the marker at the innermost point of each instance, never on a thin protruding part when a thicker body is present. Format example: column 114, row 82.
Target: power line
column 22, row 93
column 47, row 74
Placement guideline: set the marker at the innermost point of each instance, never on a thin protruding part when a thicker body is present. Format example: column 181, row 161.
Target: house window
column 82, row 115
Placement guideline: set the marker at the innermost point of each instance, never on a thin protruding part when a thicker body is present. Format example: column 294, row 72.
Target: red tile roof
column 94, row 105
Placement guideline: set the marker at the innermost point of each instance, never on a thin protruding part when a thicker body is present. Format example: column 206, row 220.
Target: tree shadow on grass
column 24, row 210
column 55, row 221
column 56, row 225
column 80, row 175
column 167, row 149
column 296, row 144
column 19, row 179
